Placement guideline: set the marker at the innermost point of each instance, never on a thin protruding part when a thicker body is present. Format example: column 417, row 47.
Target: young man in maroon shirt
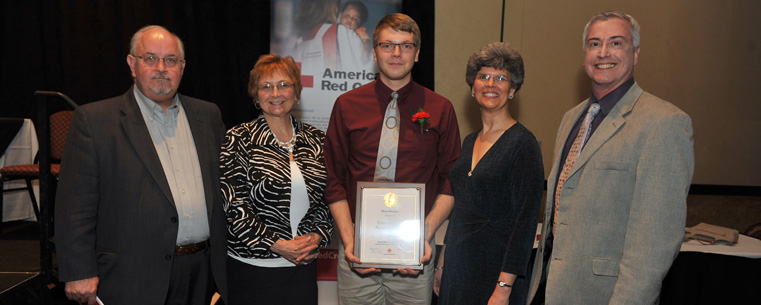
column 424, row 155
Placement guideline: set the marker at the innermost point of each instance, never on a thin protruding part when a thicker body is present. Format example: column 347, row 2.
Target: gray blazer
column 115, row 216
column 623, row 207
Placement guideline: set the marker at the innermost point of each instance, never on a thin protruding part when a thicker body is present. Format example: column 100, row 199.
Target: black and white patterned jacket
column 256, row 185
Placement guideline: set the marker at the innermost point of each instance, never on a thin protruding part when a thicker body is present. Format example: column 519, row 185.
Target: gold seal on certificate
column 390, row 200
column 389, row 225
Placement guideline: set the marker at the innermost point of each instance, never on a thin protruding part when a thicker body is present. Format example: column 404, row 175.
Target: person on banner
column 419, row 151
column 498, row 183
column 353, row 16
column 616, row 195
column 273, row 180
column 325, row 46
column 139, row 215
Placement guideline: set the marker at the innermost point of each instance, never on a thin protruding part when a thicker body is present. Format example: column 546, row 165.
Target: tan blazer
column 623, row 207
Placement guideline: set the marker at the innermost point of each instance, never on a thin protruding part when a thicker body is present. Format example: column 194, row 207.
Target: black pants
column 191, row 281
column 249, row 284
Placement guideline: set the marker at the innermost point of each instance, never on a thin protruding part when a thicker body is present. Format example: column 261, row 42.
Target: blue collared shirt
column 176, row 149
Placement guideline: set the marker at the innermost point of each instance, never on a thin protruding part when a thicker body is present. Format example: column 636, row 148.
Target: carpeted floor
column 20, row 283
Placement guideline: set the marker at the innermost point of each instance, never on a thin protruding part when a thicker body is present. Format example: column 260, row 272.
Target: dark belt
column 191, row 248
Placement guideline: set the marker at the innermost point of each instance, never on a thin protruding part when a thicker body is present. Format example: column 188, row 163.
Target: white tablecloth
column 746, row 246
column 17, row 205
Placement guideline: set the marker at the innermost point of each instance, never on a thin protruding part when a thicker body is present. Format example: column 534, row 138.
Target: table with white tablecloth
column 17, row 205
column 746, row 246
column 714, row 274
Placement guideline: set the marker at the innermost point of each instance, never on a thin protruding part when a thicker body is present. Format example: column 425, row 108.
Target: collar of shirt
column 384, row 93
column 611, row 99
column 153, row 111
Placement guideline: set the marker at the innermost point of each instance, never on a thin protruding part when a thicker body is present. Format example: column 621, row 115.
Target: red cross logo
column 307, row 81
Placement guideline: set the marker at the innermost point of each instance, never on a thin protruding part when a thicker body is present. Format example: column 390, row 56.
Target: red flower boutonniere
column 421, row 118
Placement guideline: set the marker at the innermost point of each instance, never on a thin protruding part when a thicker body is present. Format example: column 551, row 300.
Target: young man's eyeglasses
column 389, row 47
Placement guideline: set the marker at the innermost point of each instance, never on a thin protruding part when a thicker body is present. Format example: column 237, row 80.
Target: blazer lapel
column 137, row 133
column 560, row 140
column 563, row 135
column 609, row 126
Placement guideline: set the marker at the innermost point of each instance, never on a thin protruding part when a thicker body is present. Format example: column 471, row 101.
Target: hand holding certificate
column 389, row 225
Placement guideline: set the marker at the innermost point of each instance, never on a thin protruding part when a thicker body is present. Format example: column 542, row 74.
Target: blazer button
column 168, row 257
column 174, row 219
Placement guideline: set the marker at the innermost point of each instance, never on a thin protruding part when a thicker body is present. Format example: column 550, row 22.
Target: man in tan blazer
column 620, row 208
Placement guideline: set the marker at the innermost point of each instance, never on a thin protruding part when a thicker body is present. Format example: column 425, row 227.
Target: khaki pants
column 386, row 288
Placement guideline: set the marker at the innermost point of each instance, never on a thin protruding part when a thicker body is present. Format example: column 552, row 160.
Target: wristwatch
column 503, row 284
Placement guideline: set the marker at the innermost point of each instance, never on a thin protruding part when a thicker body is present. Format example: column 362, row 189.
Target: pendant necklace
column 287, row 145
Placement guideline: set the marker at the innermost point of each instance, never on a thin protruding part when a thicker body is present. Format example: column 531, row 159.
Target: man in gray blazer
column 618, row 202
column 139, row 215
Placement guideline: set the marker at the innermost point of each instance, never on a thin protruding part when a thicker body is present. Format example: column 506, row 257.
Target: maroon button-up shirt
column 351, row 143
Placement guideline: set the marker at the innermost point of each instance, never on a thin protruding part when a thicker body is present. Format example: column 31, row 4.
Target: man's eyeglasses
column 281, row 86
column 152, row 61
column 389, row 47
column 499, row 79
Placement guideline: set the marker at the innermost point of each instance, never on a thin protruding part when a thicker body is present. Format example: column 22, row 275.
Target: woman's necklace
column 287, row 145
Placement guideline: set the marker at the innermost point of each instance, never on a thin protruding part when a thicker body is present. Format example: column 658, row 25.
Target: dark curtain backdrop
column 79, row 48
column 423, row 12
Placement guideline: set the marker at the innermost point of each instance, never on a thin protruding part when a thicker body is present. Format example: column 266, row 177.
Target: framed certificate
column 388, row 231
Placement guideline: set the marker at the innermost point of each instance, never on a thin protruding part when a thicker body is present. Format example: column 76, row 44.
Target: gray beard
column 160, row 91
column 164, row 80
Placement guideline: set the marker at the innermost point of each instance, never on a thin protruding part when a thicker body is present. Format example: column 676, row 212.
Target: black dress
column 493, row 224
